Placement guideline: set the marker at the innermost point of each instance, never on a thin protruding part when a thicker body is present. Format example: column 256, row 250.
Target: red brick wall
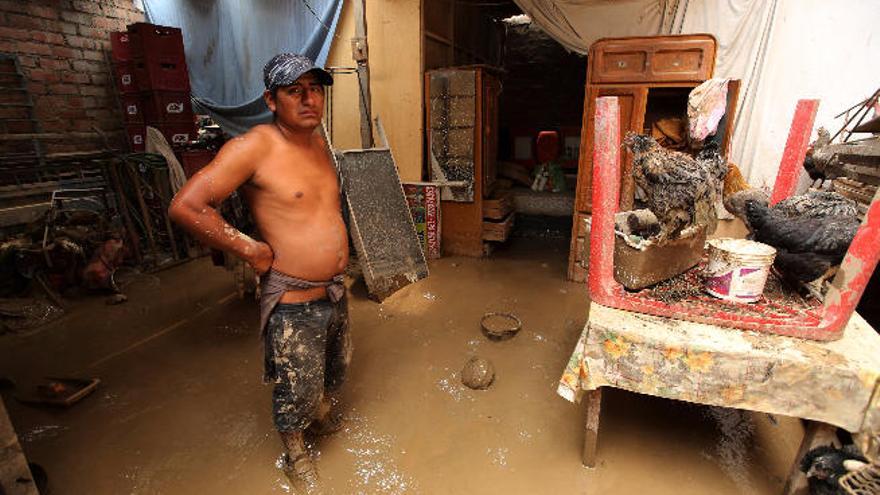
column 62, row 48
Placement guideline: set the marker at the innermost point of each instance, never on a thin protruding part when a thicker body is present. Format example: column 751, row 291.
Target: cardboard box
column 423, row 199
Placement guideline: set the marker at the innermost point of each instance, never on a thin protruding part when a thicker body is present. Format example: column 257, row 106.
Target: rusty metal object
column 639, row 268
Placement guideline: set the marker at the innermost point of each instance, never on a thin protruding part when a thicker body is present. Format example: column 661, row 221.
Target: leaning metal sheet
column 833, row 382
column 384, row 235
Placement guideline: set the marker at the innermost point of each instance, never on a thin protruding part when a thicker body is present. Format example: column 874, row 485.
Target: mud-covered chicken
column 680, row 189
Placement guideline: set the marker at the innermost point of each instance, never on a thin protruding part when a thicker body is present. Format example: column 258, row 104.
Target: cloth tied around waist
column 273, row 285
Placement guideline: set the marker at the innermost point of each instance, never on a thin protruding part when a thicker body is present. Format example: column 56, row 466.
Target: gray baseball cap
column 285, row 68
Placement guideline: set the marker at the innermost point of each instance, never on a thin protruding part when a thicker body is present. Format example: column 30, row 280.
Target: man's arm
column 195, row 205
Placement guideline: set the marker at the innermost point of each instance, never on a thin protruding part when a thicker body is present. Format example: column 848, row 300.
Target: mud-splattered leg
column 328, row 417
column 298, row 465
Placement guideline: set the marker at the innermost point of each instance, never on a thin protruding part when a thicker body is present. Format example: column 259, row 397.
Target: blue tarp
column 227, row 43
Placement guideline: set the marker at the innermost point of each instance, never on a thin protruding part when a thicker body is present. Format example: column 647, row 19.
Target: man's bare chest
column 294, row 184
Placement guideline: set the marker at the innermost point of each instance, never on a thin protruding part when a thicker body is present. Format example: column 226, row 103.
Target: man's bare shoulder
column 258, row 137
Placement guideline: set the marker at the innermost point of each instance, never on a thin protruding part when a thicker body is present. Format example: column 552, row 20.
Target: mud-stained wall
column 61, row 48
column 394, row 38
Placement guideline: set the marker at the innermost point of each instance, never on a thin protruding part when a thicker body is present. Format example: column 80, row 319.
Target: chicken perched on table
column 807, row 247
column 681, row 190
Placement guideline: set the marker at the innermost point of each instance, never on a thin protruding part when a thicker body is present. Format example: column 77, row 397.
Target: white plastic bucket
column 738, row 269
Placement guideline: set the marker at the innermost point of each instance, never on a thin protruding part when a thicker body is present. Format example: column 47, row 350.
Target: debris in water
column 499, row 455
column 429, row 296
column 42, row 432
column 500, row 326
column 478, row 373
column 116, row 299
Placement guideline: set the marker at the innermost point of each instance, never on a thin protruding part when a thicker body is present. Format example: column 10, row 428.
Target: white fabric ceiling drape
column 782, row 50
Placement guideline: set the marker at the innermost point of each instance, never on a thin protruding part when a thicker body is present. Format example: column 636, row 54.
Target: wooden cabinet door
column 632, row 102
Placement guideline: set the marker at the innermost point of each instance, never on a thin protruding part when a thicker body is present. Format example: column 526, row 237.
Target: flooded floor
column 181, row 408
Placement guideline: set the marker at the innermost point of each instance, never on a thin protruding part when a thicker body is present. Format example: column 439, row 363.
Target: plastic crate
column 123, row 46
column 164, row 74
column 137, row 137
column 177, row 133
column 132, row 108
column 195, row 160
column 157, row 42
column 125, row 78
column 167, row 106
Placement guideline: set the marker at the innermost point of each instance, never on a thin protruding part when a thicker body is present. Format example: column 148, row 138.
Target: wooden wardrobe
column 462, row 134
column 651, row 77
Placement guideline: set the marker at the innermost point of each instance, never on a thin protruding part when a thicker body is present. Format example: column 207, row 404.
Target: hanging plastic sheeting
column 227, row 43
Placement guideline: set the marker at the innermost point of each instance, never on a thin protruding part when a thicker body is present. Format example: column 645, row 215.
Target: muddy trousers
column 307, row 351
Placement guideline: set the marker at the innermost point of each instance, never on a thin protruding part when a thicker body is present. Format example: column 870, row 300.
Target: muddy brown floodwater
column 182, row 410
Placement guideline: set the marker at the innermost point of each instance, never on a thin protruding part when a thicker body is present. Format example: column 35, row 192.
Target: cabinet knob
column 621, row 64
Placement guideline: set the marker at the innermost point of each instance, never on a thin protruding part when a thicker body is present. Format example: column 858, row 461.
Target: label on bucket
column 738, row 284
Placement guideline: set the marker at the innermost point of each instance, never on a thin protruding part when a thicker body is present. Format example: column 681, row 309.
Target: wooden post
column 593, row 400
column 606, row 175
column 122, row 204
column 145, row 214
column 360, row 54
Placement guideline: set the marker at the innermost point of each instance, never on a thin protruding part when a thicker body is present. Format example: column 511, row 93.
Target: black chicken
column 825, row 465
column 812, row 204
column 806, row 248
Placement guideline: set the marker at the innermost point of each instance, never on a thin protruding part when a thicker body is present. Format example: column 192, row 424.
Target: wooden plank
column 13, row 464
column 381, row 227
column 790, row 168
column 498, row 231
column 499, row 207
column 593, row 401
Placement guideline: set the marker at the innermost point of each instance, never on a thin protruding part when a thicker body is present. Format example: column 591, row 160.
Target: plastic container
column 738, row 269
column 177, row 134
column 124, row 75
column 167, row 106
column 132, row 108
column 157, row 42
column 164, row 74
column 122, row 46
column 137, row 137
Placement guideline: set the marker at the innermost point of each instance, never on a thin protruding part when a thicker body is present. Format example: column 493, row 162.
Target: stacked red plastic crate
column 151, row 74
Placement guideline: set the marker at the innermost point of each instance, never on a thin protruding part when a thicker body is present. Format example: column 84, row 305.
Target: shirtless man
column 287, row 178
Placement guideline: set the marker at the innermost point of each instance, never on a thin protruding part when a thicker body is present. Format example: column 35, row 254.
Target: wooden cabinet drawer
column 683, row 61
column 689, row 58
column 499, row 207
column 498, row 231
column 624, row 64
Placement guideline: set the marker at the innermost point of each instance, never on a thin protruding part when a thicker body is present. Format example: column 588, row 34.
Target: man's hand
column 262, row 258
